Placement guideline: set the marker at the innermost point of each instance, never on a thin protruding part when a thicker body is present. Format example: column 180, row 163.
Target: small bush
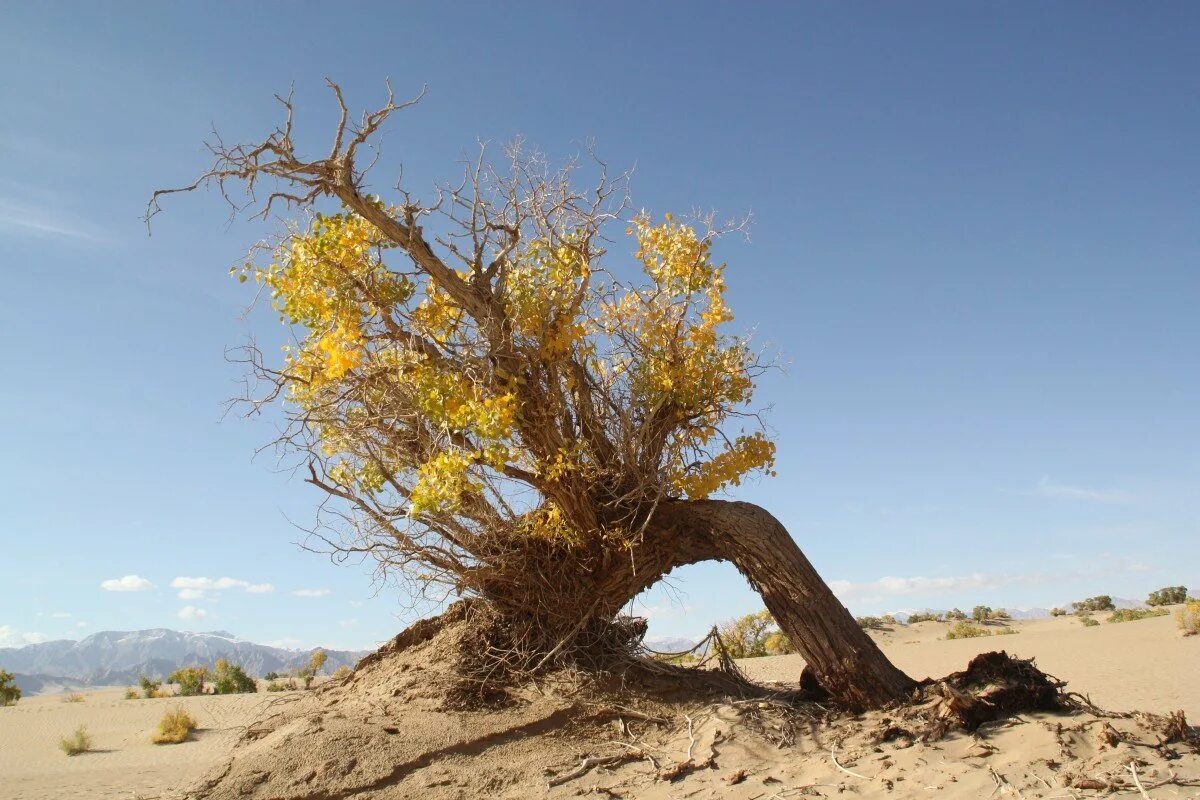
column 924, row 616
column 874, row 623
column 175, row 727
column 1188, row 618
column 981, row 613
column 73, row 697
column 76, row 743
column 1007, row 632
column 1001, row 614
column 271, row 676
column 343, row 672
column 231, row 679
column 190, row 679
column 1088, row 622
column 955, row 613
column 1100, row 602
column 132, row 694
column 1168, row 596
column 1058, row 612
column 1132, row 614
column 9, row 693
column 965, row 630
column 150, row 688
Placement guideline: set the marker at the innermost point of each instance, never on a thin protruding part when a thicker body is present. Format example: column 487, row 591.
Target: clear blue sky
column 976, row 242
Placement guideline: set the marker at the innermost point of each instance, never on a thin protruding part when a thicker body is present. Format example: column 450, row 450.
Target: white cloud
column 1061, row 491
column 348, row 623
column 287, row 643
column 195, row 588
column 10, row 637
column 191, row 613
column 129, row 583
column 311, row 592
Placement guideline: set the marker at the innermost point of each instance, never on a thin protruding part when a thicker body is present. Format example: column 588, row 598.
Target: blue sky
column 975, row 244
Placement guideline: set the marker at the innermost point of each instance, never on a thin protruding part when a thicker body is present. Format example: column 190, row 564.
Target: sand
column 390, row 741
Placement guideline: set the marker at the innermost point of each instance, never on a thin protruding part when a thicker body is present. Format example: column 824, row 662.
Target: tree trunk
column 844, row 659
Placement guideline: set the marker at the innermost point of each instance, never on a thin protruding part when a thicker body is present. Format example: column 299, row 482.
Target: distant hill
column 110, row 658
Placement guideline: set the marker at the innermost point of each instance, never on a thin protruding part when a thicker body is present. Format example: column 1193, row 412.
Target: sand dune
column 1142, row 665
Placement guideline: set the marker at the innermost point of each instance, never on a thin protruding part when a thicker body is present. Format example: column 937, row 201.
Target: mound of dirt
column 404, row 725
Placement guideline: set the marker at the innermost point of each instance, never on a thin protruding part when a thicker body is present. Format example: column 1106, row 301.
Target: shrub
column 9, row 693
column 955, row 613
column 73, row 697
column 1058, row 612
column 965, row 630
column 1000, row 613
column 190, row 679
column 131, row 694
column 1167, row 596
column 231, row 679
column 924, row 616
column 1100, row 602
column 746, row 637
column 150, row 688
column 1132, row 614
column 175, row 727
column 271, row 676
column 1007, row 631
column 76, row 743
column 981, row 613
column 343, row 672
column 1088, row 622
column 874, row 623
column 317, row 660
column 1188, row 618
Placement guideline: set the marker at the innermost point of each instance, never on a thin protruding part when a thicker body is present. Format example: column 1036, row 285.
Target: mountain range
column 110, row 658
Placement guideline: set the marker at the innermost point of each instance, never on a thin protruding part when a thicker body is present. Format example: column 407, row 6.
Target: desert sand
column 313, row 744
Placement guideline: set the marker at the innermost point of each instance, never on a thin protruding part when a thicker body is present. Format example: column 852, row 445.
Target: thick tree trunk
column 845, row 660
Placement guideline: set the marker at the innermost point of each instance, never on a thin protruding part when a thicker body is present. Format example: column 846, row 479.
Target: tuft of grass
column 76, row 743
column 175, row 727
column 132, row 694
column 1188, row 617
column 965, row 630
column 1132, row 614
column 1007, row 632
column 73, row 697
column 1088, row 622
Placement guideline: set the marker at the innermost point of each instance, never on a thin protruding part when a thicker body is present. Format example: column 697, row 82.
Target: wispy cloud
column 129, row 583
column 192, row 613
column 21, row 217
column 311, row 592
column 1062, row 491
column 11, row 637
column 198, row 588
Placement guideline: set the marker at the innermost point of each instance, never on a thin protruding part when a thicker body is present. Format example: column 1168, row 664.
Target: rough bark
column 845, row 660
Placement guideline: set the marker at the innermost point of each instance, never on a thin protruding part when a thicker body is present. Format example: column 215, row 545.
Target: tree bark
column 845, row 660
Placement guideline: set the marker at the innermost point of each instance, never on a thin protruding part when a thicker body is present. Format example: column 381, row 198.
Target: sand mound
column 403, row 726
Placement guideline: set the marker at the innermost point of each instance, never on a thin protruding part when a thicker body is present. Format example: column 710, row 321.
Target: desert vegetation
column 1132, row 614
column 72, row 697
column 150, row 687
column 1188, row 618
column 458, row 353
column 1167, row 596
column 1088, row 621
column 966, row 630
column 175, row 727
column 1091, row 605
column 78, row 742
column 9, row 693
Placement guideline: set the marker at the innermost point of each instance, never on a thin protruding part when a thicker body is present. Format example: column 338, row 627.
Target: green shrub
column 9, row 693
column 1100, row 602
column 1000, row 613
column 271, row 676
column 1007, row 631
column 1188, row 618
column 190, row 679
column 1058, row 612
column 965, row 630
column 955, row 613
column 874, row 623
column 981, row 613
column 1088, row 622
column 231, row 679
column 1168, row 596
column 923, row 616
column 1132, row 614
column 175, row 727
column 76, row 743
column 150, row 688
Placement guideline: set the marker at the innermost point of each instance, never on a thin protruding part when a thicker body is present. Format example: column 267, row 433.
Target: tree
column 231, row 679
column 746, row 637
column 190, row 679
column 501, row 411
column 981, row 613
column 1167, row 596
column 9, row 693
column 1100, row 602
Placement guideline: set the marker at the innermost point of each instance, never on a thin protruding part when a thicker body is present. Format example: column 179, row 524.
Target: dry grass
column 1188, row 618
column 76, row 743
column 175, row 727
column 73, row 697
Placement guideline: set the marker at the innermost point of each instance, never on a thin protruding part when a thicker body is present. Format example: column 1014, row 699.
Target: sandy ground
column 125, row 764
column 1143, row 665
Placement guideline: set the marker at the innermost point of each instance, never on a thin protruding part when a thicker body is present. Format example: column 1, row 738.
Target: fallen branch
column 833, row 755
column 587, row 765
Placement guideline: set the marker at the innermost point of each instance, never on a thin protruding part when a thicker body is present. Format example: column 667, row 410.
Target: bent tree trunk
column 844, row 659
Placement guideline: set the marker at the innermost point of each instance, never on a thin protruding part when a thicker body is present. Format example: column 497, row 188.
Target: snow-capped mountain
column 118, row 657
